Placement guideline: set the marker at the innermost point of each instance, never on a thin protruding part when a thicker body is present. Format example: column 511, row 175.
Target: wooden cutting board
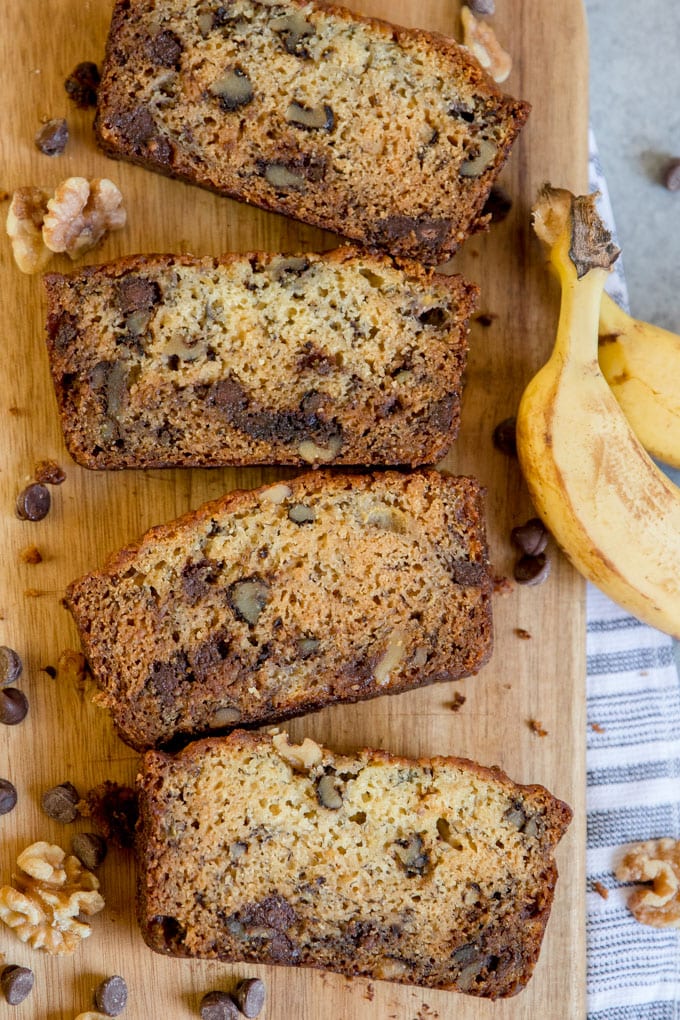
column 537, row 671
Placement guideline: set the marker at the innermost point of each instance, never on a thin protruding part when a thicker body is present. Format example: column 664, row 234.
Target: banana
column 609, row 507
column 641, row 363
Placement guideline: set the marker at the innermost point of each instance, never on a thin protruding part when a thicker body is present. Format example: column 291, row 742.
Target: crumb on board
column 502, row 585
column 537, row 727
column 30, row 554
column 457, row 702
column 520, row 632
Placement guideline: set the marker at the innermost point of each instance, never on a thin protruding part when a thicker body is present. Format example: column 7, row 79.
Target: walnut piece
column 81, row 214
column 300, row 756
column 49, row 892
column 656, row 861
column 24, row 228
column 481, row 40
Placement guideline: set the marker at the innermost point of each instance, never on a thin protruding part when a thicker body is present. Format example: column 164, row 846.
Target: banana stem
column 577, row 330
column 582, row 253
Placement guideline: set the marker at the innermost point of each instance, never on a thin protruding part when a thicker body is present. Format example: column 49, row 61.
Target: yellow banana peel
column 641, row 363
column 609, row 507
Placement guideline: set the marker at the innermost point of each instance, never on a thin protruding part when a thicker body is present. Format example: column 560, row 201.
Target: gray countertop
column 635, row 114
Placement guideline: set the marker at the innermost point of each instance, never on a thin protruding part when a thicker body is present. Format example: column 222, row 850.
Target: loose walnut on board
column 24, row 229
column 481, row 40
column 656, row 861
column 81, row 214
column 50, row 890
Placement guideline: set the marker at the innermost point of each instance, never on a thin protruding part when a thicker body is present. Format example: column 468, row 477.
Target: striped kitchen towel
column 633, row 768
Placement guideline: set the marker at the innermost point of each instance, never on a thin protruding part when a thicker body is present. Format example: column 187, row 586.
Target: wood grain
column 540, row 677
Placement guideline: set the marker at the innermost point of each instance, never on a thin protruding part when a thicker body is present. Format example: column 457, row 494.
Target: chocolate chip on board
column 52, row 137
column 16, row 983
column 505, row 436
column 110, row 995
column 90, row 849
column 249, row 996
column 10, row 666
column 82, row 84
column 13, row 706
column 530, row 538
column 532, row 569
column 8, row 796
column 33, row 502
column 218, row 1006
column 61, row 802
column 671, row 177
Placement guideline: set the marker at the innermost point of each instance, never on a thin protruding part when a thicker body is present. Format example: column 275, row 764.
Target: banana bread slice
column 437, row 872
column 269, row 603
column 174, row 360
column 389, row 136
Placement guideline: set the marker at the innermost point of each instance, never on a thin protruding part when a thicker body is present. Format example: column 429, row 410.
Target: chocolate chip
column 136, row 294
column 10, row 666
column 90, row 849
column 16, row 983
column 218, row 1006
column 8, row 796
column 61, row 802
column 482, row 6
column 532, row 569
column 530, row 538
column 52, row 137
column 113, row 809
column 498, row 204
column 48, row 472
column 671, row 177
column 110, row 996
column 33, row 502
column 13, row 706
column 249, row 996
column 82, row 84
column 505, row 437
column 166, row 49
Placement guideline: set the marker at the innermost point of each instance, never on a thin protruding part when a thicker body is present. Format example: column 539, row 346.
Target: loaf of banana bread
column 269, row 603
column 436, row 872
column 173, row 360
column 388, row 136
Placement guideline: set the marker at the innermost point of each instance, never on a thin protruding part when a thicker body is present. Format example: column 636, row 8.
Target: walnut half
column 81, row 214
column 481, row 40
column 50, row 890
column 656, row 861
column 24, row 229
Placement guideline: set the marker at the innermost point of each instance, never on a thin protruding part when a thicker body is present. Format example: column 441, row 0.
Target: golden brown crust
column 361, row 536
column 434, row 911
column 342, row 190
column 152, row 366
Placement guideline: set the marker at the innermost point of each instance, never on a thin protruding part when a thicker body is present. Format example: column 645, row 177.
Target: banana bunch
column 609, row 507
column 641, row 363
